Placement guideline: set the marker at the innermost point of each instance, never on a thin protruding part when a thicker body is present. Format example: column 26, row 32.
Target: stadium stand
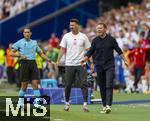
column 128, row 24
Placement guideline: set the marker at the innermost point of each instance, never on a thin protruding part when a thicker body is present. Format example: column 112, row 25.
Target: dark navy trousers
column 105, row 79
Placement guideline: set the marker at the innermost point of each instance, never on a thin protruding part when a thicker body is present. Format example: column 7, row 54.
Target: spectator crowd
column 13, row 7
column 130, row 26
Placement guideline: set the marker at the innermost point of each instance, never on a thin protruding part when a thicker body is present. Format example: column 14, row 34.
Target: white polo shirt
column 75, row 45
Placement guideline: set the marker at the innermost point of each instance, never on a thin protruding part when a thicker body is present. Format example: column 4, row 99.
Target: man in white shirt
column 75, row 43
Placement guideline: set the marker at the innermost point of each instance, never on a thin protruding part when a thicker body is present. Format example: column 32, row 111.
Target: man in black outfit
column 103, row 46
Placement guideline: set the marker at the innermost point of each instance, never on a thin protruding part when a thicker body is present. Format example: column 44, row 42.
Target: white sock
column 85, row 104
column 67, row 103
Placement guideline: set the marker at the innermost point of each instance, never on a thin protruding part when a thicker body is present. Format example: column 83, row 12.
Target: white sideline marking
column 58, row 119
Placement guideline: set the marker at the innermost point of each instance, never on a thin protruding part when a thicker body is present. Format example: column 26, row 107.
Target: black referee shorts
column 28, row 71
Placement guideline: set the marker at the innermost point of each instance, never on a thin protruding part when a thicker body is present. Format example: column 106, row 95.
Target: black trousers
column 105, row 79
column 70, row 75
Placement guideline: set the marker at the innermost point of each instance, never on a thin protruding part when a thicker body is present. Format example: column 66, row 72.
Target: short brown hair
column 102, row 23
column 75, row 20
column 27, row 28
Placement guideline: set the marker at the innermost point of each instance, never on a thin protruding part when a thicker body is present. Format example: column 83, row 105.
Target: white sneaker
column 108, row 109
column 103, row 110
column 66, row 107
column 85, row 108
